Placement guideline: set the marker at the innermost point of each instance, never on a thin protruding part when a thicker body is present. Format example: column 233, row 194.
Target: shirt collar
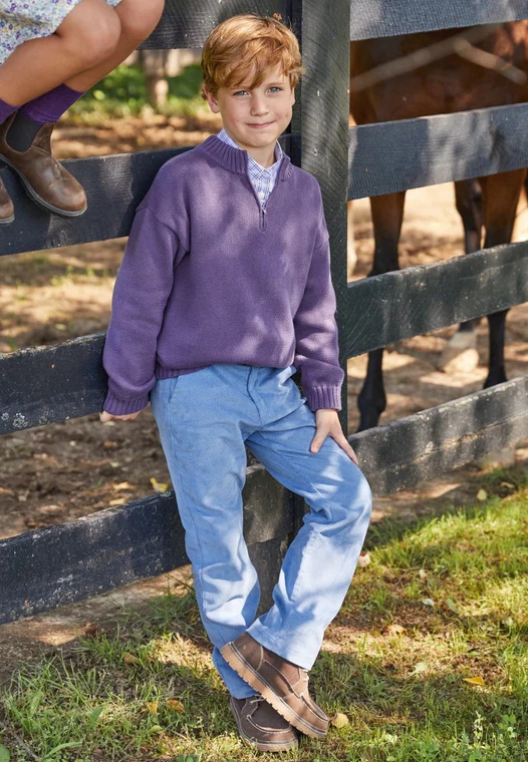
column 279, row 153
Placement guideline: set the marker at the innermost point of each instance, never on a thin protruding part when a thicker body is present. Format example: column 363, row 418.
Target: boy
column 225, row 283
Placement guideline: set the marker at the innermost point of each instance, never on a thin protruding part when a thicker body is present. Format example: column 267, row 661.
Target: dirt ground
column 59, row 473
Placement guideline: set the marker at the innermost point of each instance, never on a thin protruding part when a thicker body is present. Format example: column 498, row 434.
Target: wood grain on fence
column 412, row 153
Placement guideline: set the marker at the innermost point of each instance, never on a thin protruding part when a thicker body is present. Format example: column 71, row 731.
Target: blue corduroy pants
column 205, row 420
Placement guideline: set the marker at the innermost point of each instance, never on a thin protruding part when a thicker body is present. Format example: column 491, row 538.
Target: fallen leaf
column 339, row 720
column 363, row 560
column 131, row 659
column 394, row 629
column 482, row 495
column 118, row 501
column 451, row 605
column 91, row 629
column 151, row 707
column 122, row 486
column 175, row 706
column 428, row 602
column 419, row 668
column 108, row 444
column 158, row 486
column 155, row 729
column 507, row 485
column 474, row 680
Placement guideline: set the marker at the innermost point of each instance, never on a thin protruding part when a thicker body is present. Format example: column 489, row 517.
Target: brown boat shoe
column 7, row 210
column 45, row 180
column 283, row 684
column 261, row 726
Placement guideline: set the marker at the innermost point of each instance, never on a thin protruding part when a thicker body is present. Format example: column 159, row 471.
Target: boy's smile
column 255, row 117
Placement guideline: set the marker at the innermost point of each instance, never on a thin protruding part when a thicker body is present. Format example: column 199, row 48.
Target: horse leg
column 387, row 217
column 460, row 352
column 501, row 196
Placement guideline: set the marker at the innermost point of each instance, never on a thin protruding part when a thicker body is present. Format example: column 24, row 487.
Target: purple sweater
column 208, row 277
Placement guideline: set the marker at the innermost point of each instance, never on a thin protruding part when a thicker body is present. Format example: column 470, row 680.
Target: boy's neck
column 264, row 156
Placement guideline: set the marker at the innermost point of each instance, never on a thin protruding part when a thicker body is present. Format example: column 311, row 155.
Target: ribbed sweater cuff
column 324, row 396
column 116, row 406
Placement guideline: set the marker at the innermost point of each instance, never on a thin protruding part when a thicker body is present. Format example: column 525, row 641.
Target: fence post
column 321, row 119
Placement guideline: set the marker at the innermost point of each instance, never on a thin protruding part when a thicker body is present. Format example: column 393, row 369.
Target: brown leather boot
column 261, row 726
column 281, row 683
column 7, row 210
column 46, row 181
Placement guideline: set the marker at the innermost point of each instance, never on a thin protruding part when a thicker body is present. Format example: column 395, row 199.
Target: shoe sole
column 247, row 673
column 36, row 198
column 7, row 220
column 261, row 745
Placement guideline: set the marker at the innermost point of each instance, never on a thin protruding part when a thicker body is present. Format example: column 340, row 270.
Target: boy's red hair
column 247, row 47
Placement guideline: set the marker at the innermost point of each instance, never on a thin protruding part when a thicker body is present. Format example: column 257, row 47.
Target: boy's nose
column 258, row 107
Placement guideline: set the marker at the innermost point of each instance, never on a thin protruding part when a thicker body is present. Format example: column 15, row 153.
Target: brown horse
column 443, row 86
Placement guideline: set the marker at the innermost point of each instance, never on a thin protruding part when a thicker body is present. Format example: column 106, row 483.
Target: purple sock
column 6, row 110
column 52, row 105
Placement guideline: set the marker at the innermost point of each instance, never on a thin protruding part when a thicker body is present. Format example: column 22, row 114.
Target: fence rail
column 186, row 23
column 45, row 568
column 413, row 153
column 386, row 18
column 53, row 384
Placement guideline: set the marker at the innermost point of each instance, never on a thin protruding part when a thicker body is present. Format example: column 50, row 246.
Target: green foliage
column 418, row 683
column 124, row 93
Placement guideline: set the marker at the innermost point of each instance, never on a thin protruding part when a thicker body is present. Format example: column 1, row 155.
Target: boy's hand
column 327, row 422
column 104, row 416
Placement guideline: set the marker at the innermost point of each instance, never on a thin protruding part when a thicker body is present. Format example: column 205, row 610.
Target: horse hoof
column 460, row 353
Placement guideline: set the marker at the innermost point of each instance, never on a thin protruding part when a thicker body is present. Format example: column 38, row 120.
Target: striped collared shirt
column 263, row 178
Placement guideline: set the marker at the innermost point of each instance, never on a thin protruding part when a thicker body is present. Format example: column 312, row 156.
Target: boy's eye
column 274, row 88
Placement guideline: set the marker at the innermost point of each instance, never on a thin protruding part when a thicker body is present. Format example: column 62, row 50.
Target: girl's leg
column 88, row 35
column 132, row 22
column 137, row 21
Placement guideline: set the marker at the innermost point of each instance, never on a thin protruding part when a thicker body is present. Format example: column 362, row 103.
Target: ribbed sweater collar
column 235, row 159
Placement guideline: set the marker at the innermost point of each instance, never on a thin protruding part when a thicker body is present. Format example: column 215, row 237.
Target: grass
column 428, row 660
column 124, row 93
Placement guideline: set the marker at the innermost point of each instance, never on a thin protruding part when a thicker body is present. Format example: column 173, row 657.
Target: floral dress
column 22, row 20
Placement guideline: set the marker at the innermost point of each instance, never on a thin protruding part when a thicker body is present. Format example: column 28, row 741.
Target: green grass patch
column 428, row 660
column 124, row 93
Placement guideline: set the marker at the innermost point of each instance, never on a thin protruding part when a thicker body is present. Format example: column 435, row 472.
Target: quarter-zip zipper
column 263, row 221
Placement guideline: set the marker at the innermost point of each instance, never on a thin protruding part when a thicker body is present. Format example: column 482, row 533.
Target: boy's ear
column 211, row 100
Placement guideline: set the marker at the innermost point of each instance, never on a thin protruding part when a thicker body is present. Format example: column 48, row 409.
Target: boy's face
column 254, row 118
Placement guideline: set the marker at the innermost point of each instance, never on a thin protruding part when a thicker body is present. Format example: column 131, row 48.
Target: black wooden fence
column 42, row 569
